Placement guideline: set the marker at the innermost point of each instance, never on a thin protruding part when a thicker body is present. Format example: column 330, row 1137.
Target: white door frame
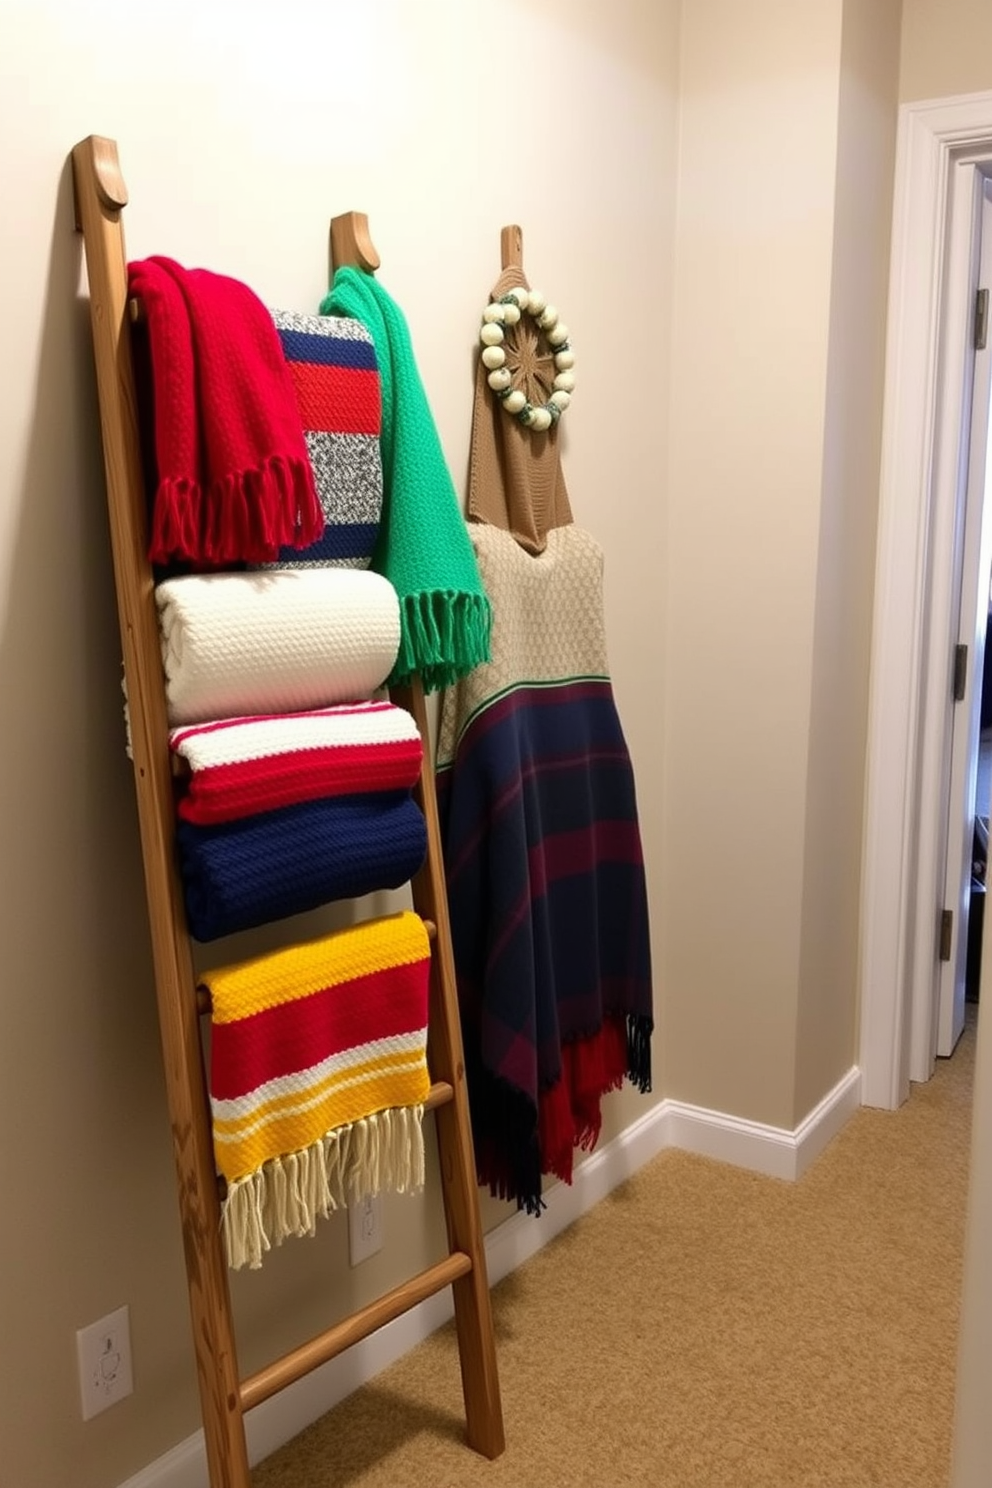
column 915, row 616
column 972, row 584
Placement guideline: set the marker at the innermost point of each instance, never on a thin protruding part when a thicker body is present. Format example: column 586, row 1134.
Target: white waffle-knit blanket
column 249, row 643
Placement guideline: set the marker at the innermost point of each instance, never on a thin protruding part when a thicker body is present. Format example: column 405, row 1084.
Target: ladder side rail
column 472, row 1299
column 100, row 198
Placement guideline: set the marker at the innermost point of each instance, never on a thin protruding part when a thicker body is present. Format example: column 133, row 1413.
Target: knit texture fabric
column 318, row 1075
column 544, row 868
column 335, row 375
column 515, row 477
column 422, row 547
column 249, row 643
column 233, row 481
column 243, row 766
column 261, row 868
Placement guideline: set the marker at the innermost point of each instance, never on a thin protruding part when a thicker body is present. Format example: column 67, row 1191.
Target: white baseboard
column 748, row 1144
column 827, row 1119
column 184, row 1466
column 772, row 1150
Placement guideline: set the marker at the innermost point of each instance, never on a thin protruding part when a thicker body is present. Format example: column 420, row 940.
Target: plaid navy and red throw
column 544, row 868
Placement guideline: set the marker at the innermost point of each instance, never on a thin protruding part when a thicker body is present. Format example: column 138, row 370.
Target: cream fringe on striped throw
column 289, row 1194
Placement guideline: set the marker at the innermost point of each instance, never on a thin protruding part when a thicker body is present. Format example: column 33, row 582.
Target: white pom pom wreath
column 506, row 313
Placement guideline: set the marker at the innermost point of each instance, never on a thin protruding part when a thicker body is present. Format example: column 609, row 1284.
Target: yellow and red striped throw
column 318, row 1075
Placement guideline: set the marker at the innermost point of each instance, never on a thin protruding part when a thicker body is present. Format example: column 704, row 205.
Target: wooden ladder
column 225, row 1397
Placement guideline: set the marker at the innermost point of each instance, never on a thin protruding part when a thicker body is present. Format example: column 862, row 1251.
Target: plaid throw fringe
column 318, row 1077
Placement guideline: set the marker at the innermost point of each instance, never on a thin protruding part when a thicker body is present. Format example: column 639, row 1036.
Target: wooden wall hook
column 511, row 247
column 95, row 165
column 351, row 243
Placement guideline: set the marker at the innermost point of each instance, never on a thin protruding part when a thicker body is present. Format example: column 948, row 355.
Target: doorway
column 966, row 855
column 944, row 149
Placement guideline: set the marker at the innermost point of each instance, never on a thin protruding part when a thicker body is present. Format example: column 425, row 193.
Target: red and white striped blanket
column 241, row 766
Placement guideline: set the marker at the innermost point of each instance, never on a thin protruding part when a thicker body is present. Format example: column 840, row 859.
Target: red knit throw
column 234, row 478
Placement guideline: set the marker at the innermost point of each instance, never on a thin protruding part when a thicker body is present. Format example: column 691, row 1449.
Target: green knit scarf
column 423, row 546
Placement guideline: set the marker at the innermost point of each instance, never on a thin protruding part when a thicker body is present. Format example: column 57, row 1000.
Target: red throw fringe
column 175, row 520
column 245, row 518
column 570, row 1112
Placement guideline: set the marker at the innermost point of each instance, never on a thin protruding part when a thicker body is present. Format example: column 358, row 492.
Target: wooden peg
column 511, row 247
column 351, row 244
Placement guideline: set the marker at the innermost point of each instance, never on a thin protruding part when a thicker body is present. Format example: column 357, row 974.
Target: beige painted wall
column 828, row 960
column 760, row 88
column 782, row 242
column 946, row 48
column 238, row 141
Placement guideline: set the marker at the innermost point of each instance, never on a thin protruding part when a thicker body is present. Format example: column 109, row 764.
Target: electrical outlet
column 365, row 1228
column 104, row 1354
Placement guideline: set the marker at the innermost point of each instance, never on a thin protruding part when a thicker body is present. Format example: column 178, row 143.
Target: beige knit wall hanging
column 516, row 480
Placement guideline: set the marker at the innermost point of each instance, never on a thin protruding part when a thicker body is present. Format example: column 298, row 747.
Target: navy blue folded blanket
column 280, row 863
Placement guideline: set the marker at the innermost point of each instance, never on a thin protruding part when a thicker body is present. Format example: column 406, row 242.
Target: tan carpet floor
column 705, row 1327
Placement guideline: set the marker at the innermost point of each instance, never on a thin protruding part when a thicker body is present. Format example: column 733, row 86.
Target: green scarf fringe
column 444, row 636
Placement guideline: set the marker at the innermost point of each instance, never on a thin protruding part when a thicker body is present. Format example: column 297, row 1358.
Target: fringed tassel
column 557, row 1128
column 444, row 635
column 250, row 515
column 571, row 1109
column 175, row 521
column 505, row 1136
column 242, row 1226
column 245, row 518
column 639, row 1031
column 289, row 1194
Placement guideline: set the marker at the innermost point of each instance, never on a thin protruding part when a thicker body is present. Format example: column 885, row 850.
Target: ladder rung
column 327, row 1345
column 439, row 1095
